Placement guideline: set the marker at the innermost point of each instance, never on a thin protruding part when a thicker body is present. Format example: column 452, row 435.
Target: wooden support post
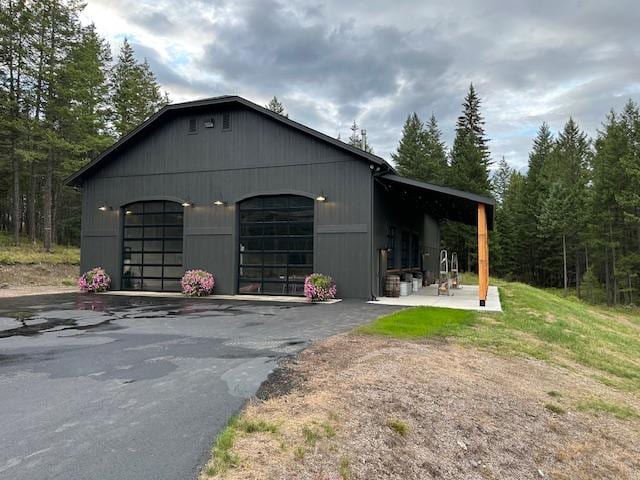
column 483, row 255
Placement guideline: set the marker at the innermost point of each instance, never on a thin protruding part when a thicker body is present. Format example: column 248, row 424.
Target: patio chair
column 456, row 277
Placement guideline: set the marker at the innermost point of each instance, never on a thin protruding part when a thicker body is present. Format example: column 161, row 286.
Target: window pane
column 250, row 273
column 132, row 232
column 132, row 257
column 276, row 229
column 176, row 272
column 251, row 244
column 301, row 229
column 171, row 285
column 302, row 216
column 173, row 258
column 151, row 284
column 277, row 201
column 172, row 219
column 275, row 288
column 301, row 258
column 251, row 229
column 297, row 201
column 295, row 289
column 150, row 207
column 131, row 283
column 276, row 244
column 173, row 232
column 150, row 271
column 298, row 274
column 275, row 273
column 250, row 287
column 255, row 202
column 151, row 232
column 134, row 208
column 301, row 243
column 132, row 219
column 153, row 245
column 131, row 271
column 275, row 258
column 173, row 245
column 173, row 207
column 132, row 245
column 154, row 219
column 152, row 258
column 251, row 259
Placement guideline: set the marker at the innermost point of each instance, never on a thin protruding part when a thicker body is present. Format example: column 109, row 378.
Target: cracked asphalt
column 114, row 387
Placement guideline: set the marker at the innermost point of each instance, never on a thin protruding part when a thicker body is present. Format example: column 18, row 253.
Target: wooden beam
column 483, row 255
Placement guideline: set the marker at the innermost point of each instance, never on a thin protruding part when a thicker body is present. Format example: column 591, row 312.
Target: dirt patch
column 367, row 407
column 282, row 381
column 38, row 278
column 38, row 274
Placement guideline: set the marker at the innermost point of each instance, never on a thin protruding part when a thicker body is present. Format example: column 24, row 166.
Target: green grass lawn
column 28, row 253
column 539, row 324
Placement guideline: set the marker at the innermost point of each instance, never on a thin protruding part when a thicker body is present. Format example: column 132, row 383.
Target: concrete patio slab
column 248, row 298
column 464, row 298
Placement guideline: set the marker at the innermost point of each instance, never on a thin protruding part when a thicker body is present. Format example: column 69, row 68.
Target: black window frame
column 262, row 213
column 169, row 209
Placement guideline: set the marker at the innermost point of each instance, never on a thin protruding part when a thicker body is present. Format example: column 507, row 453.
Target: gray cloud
column 377, row 61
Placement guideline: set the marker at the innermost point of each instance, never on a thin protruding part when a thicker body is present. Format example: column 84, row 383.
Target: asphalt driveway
column 111, row 387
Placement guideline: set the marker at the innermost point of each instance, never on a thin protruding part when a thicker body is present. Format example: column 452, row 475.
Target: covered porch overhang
column 443, row 203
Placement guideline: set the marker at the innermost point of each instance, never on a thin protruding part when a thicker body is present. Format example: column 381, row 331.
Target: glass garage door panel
column 276, row 244
column 152, row 246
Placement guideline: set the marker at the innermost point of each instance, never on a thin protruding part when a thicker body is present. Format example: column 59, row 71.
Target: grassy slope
column 540, row 324
column 27, row 253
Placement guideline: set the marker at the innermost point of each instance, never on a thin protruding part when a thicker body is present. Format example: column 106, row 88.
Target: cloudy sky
column 375, row 61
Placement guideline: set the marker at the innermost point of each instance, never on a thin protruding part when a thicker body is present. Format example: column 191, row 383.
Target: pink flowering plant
column 95, row 280
column 197, row 283
column 319, row 287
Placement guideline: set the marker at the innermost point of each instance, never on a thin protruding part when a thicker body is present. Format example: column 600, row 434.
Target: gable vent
column 226, row 121
column 193, row 125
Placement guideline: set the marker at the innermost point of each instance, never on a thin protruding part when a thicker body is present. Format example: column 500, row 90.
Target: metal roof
column 443, row 202
column 76, row 178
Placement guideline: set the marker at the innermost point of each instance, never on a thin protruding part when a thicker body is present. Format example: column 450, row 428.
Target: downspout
column 376, row 171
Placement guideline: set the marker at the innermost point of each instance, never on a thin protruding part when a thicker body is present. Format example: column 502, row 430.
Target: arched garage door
column 152, row 246
column 276, row 244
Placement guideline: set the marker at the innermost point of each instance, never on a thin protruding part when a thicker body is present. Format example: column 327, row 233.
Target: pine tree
column 500, row 180
column 469, row 170
column 275, row 106
column 135, row 92
column 536, row 190
column 435, row 168
column 409, row 156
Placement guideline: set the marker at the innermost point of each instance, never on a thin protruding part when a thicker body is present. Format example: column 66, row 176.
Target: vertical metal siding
column 257, row 156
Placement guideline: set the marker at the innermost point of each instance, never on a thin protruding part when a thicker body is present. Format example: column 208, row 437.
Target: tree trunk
column 47, row 201
column 32, row 205
column 16, row 194
column 564, row 261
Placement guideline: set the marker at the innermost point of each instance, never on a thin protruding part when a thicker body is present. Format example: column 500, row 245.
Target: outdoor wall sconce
column 219, row 201
column 128, row 212
column 103, row 207
column 321, row 197
column 187, row 203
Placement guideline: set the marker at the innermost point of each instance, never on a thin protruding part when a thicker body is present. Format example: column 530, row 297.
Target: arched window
column 276, row 244
column 152, row 246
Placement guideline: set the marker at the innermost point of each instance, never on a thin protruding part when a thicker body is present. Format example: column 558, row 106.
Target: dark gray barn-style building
column 259, row 200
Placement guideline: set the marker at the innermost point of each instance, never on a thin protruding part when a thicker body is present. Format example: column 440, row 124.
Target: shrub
column 197, row 283
column 319, row 287
column 95, row 280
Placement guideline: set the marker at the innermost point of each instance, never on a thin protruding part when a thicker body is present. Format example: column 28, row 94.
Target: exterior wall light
column 321, row 197
column 128, row 212
column 219, row 201
column 103, row 207
column 187, row 203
